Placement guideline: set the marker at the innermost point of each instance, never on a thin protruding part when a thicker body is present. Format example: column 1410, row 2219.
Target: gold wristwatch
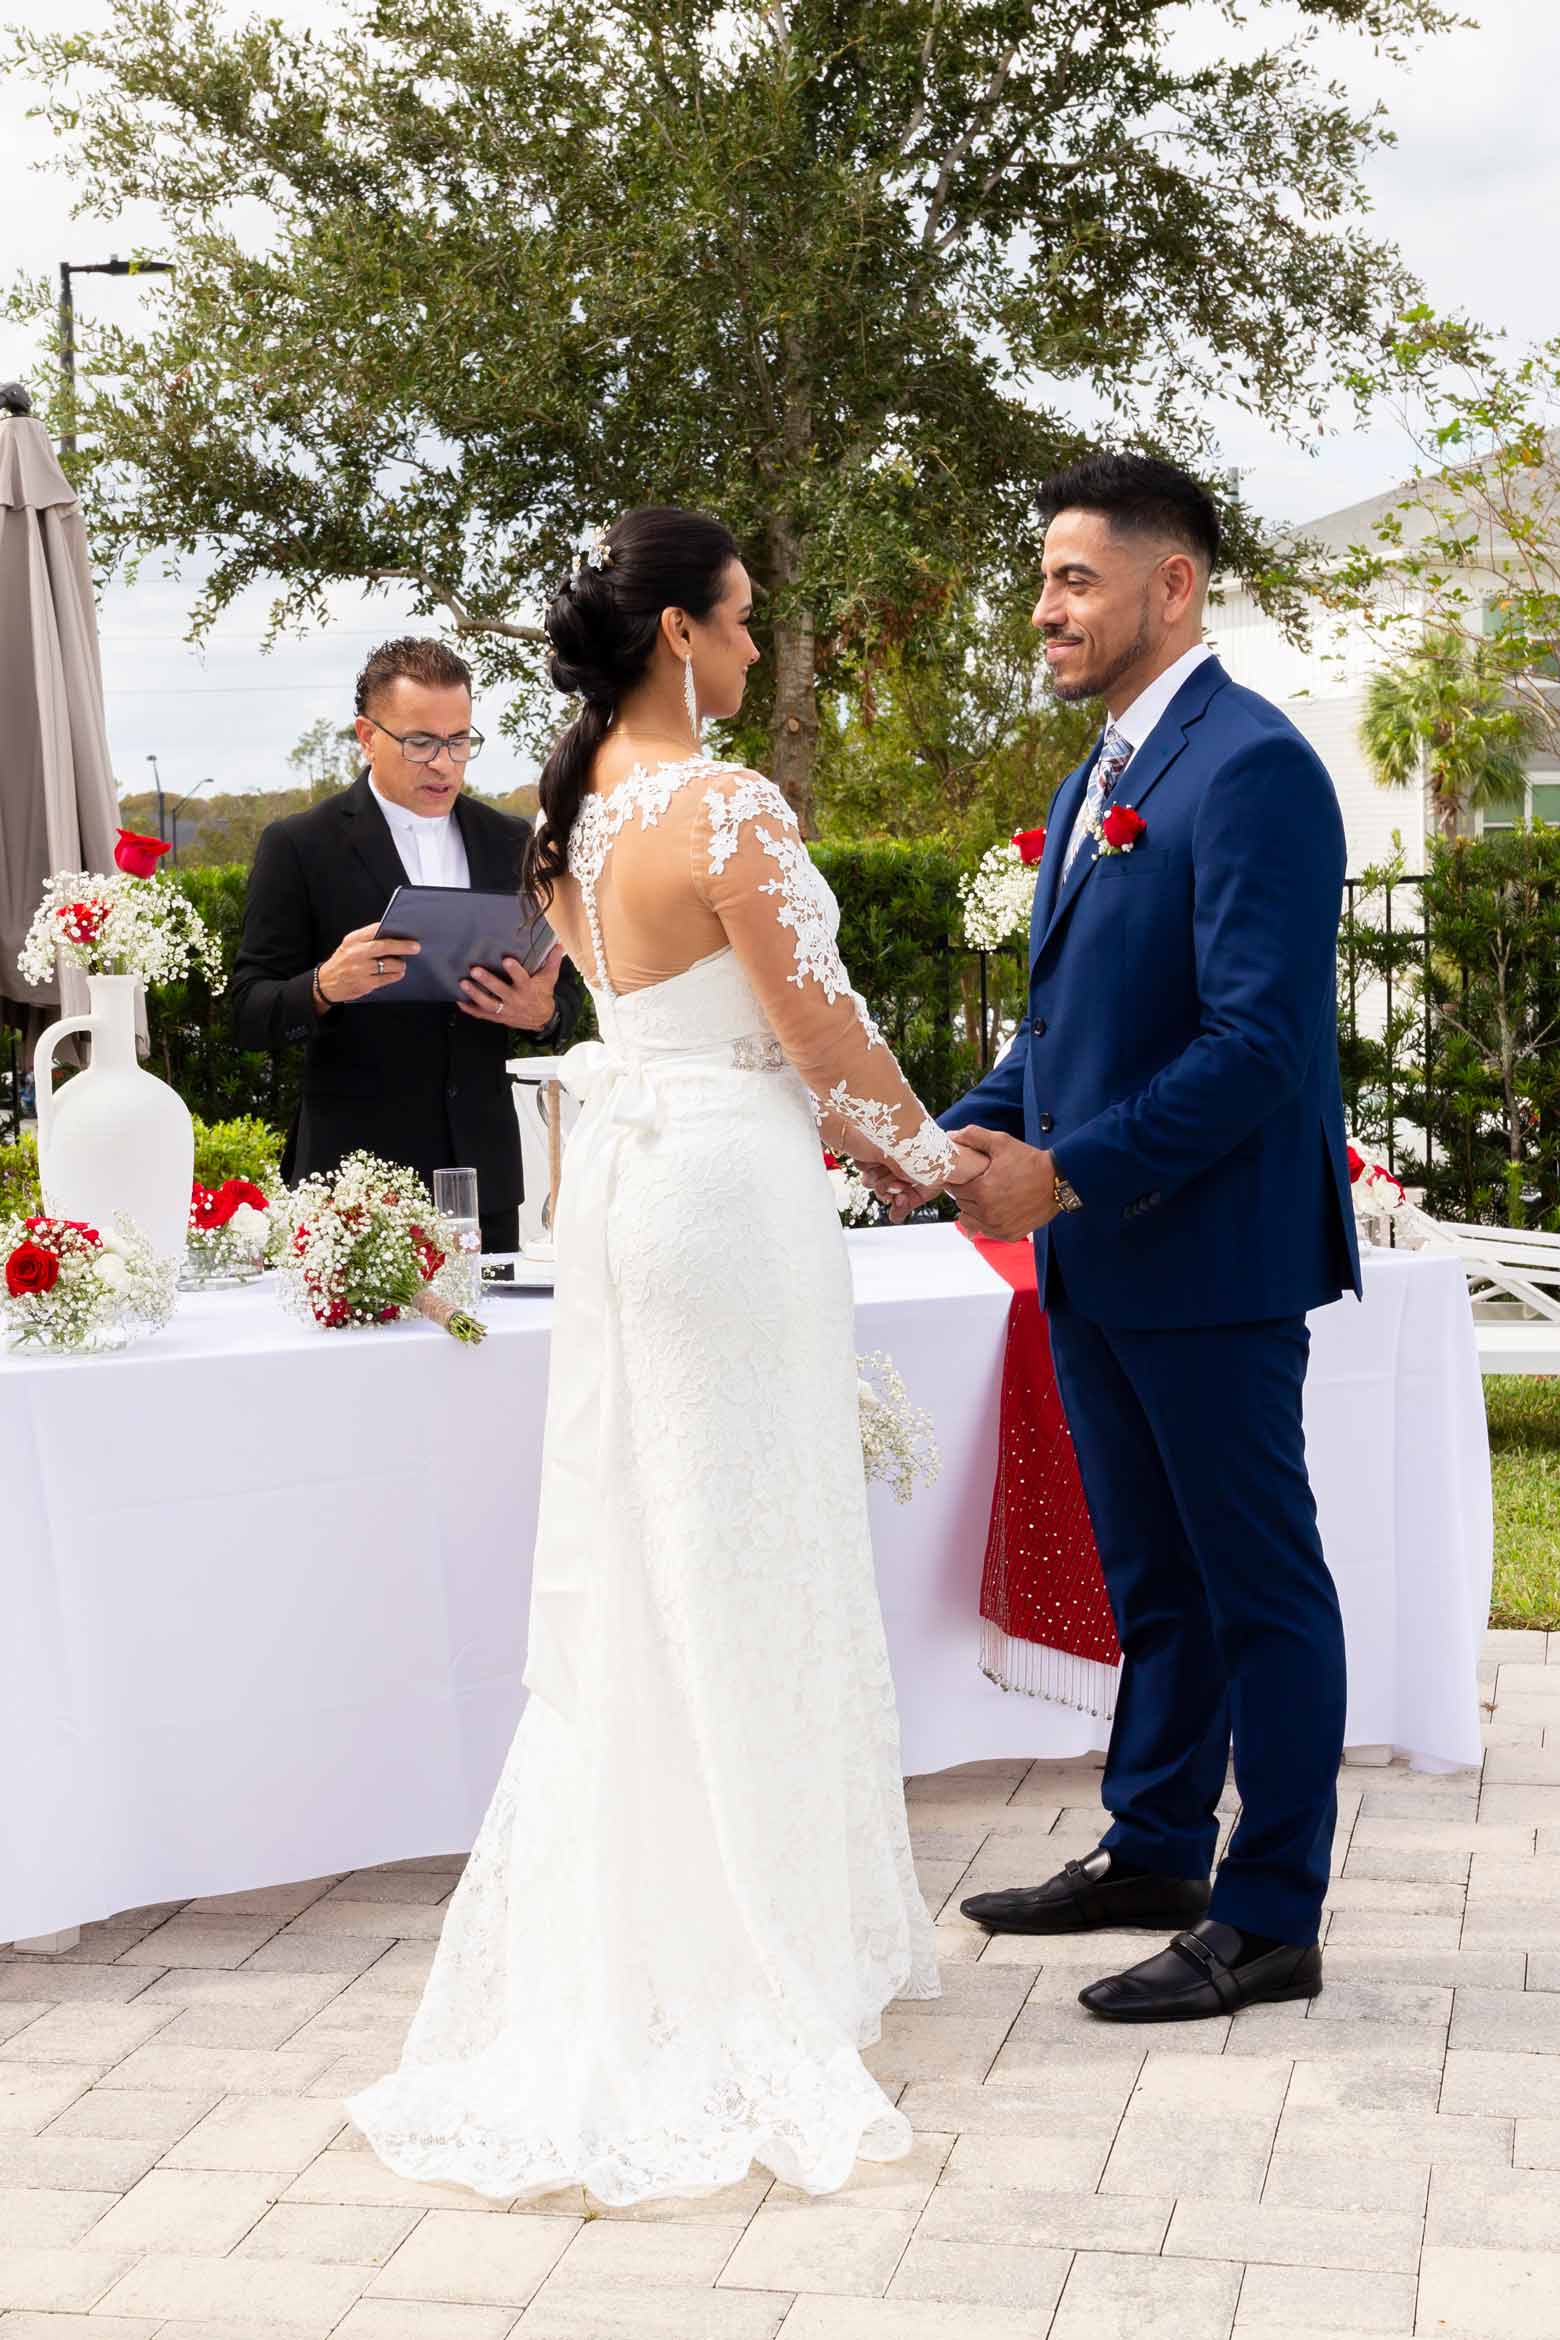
column 1067, row 1196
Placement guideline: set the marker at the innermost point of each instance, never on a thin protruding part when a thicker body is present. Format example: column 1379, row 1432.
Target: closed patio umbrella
column 59, row 808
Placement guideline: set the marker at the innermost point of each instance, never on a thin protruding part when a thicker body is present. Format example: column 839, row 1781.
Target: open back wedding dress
column 692, row 1895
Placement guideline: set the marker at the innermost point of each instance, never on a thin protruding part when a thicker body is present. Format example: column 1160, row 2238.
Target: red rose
column 1122, row 827
column 136, row 855
column 81, row 920
column 1356, row 1166
column 212, row 1207
column 1031, row 844
column 31, row 1268
column 242, row 1191
column 429, row 1257
column 830, row 1161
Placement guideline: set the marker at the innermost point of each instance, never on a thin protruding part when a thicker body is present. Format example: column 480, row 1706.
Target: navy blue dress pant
column 1192, row 1453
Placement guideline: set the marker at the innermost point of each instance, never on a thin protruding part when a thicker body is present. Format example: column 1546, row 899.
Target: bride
column 692, row 1895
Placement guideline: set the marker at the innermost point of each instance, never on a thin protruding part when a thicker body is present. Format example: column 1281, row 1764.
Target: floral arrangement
column 1380, row 1200
column 1000, row 895
column 68, row 1287
column 132, row 923
column 852, row 1196
column 897, row 1440
column 365, row 1246
column 229, row 1230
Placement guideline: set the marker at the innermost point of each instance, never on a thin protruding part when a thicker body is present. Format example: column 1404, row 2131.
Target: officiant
column 422, row 1084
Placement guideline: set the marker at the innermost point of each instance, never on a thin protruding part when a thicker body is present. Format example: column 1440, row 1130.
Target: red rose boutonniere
column 1031, row 844
column 1120, row 830
column 138, row 856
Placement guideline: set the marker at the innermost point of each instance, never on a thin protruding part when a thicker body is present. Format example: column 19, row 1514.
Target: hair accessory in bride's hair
column 597, row 557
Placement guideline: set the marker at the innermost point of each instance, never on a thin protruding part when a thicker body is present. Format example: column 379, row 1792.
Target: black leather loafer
column 1083, row 1897
column 1193, row 1977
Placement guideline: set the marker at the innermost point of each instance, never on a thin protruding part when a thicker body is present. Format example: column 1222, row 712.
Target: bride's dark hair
column 602, row 627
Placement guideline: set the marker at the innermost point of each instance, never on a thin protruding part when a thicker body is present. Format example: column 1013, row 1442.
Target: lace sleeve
column 752, row 869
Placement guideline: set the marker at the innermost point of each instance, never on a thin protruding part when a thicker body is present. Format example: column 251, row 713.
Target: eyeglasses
column 420, row 747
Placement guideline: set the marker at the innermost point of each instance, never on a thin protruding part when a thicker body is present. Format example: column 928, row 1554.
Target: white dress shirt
column 432, row 850
column 1135, row 723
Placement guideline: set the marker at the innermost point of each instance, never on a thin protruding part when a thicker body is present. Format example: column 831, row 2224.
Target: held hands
column 902, row 1196
column 522, row 1002
column 362, row 963
column 1016, row 1192
column 1003, row 1188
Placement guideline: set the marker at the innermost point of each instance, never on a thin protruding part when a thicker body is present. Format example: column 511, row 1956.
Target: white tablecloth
column 265, row 1588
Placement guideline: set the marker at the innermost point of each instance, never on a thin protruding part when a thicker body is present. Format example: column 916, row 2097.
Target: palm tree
column 1441, row 718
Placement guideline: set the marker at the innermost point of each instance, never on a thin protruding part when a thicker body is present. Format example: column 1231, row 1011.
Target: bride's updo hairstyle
column 603, row 626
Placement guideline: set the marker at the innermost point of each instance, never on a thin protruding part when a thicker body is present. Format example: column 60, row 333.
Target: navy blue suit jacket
column 1180, row 1051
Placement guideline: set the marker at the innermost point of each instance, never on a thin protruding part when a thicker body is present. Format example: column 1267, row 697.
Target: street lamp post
column 179, row 807
column 113, row 266
column 157, row 784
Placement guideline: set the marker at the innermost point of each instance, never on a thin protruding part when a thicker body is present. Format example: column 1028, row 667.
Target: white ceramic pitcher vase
column 115, row 1138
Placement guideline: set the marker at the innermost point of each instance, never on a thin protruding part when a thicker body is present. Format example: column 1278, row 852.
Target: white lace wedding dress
column 692, row 1895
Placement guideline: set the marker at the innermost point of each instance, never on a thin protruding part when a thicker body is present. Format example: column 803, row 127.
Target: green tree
column 836, row 268
column 1443, row 718
column 1470, row 547
column 326, row 758
column 952, row 734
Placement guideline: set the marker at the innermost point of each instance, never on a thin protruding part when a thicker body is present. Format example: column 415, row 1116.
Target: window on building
column 1540, row 801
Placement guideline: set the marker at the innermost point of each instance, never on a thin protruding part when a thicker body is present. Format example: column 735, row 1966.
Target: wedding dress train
column 692, row 1895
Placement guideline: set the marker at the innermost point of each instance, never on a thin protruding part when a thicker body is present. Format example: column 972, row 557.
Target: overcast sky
column 1471, row 195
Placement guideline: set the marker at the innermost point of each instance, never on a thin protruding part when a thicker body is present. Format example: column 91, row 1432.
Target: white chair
column 1514, row 1284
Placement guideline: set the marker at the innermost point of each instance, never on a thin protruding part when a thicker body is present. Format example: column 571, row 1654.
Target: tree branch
column 961, row 146
column 465, row 623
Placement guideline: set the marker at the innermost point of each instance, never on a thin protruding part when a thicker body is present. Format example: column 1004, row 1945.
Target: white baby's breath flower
column 998, row 898
column 898, row 1443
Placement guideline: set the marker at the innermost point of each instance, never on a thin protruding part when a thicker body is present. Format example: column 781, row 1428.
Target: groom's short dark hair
column 1139, row 494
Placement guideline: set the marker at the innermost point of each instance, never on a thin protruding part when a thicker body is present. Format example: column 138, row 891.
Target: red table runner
column 1046, row 1622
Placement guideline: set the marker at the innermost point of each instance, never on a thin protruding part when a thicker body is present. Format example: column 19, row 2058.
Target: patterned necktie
column 1114, row 757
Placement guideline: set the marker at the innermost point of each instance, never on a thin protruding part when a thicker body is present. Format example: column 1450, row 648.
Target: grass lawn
column 1524, row 1417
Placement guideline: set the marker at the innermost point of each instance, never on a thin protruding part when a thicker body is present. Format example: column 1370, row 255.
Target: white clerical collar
column 1137, row 721
column 406, row 823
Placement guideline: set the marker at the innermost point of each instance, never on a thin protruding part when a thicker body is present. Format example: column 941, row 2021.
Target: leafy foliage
column 525, row 267
column 1443, row 716
column 954, row 735
column 21, row 1196
column 1471, row 547
column 1470, row 1053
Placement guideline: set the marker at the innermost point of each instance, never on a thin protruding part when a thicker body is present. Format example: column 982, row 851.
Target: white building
column 1321, row 689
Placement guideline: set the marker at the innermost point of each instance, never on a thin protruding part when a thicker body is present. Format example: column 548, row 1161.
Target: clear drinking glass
column 455, row 1200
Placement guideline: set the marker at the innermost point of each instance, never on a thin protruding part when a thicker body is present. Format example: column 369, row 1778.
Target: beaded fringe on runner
column 1037, row 1672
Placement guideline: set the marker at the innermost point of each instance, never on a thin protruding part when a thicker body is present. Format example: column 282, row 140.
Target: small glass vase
column 213, row 1262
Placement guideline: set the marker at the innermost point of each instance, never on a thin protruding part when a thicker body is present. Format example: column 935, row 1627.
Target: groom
column 1169, row 1125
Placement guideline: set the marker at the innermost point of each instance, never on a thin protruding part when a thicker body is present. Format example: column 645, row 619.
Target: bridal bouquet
column 133, row 923
column 69, row 1287
column 365, row 1246
column 1000, row 895
column 229, row 1231
column 897, row 1441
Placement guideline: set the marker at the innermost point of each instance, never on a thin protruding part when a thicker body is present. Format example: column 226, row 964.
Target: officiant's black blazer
column 418, row 1084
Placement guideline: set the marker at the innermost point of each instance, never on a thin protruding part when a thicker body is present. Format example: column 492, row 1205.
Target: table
column 265, row 1588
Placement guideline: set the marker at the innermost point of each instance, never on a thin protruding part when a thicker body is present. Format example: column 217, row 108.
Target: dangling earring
column 691, row 701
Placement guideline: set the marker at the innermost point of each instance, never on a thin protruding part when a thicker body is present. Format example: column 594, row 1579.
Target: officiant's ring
column 379, row 966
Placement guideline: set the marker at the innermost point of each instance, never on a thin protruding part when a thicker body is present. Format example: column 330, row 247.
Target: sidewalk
column 174, row 2164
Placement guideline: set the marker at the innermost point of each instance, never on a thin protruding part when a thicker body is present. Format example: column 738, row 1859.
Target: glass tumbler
column 455, row 1200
